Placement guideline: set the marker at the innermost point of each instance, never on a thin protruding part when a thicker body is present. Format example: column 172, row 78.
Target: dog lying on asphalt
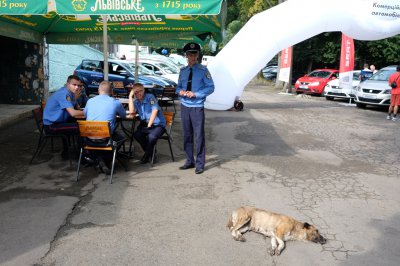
column 277, row 226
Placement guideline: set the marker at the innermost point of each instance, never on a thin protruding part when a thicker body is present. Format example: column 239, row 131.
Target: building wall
column 21, row 72
column 63, row 59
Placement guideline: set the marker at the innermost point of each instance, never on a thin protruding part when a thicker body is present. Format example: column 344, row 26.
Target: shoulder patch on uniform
column 208, row 74
column 68, row 98
column 151, row 102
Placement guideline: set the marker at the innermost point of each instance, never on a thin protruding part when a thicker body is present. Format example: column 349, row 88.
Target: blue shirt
column 55, row 109
column 202, row 85
column 145, row 108
column 104, row 108
column 366, row 74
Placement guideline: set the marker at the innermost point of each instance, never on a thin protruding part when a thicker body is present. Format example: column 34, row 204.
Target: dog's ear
column 230, row 223
column 306, row 225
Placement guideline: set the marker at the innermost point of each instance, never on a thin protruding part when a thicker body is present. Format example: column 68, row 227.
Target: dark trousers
column 106, row 156
column 193, row 131
column 68, row 129
column 147, row 137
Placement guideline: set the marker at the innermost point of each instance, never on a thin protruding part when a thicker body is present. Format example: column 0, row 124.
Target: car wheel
column 329, row 98
column 361, row 105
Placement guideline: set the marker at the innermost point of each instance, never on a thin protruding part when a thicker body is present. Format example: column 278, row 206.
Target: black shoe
column 103, row 167
column 186, row 166
column 199, row 171
column 145, row 159
column 86, row 160
column 64, row 155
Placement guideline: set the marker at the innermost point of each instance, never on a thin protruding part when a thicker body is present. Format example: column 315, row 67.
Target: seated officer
column 366, row 73
column 152, row 124
column 59, row 112
column 81, row 98
column 105, row 108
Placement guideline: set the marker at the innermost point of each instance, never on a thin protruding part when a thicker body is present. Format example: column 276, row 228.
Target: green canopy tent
column 114, row 22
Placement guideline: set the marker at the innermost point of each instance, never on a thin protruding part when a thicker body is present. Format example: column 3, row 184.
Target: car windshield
column 383, row 74
column 320, row 74
column 356, row 75
column 141, row 69
column 168, row 69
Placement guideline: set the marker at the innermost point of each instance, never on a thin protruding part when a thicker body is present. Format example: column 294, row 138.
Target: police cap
column 192, row 47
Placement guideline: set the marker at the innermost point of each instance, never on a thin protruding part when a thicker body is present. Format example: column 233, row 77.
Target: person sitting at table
column 152, row 120
column 105, row 108
column 59, row 113
column 81, row 98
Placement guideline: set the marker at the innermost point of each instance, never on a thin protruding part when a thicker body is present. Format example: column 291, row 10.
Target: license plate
column 369, row 96
column 303, row 86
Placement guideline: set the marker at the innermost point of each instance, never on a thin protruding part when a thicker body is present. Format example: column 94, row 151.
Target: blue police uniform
column 147, row 137
column 192, row 113
column 55, row 109
column 145, row 108
column 82, row 100
column 104, row 108
column 202, row 85
column 56, row 119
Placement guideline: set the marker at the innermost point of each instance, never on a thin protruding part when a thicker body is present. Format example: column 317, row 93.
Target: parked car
column 376, row 90
column 270, row 72
column 334, row 90
column 315, row 82
column 179, row 59
column 161, row 68
column 91, row 73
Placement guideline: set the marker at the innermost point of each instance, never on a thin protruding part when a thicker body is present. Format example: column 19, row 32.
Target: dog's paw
column 240, row 238
column 272, row 251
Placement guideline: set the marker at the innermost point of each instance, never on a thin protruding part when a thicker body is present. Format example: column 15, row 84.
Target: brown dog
column 277, row 226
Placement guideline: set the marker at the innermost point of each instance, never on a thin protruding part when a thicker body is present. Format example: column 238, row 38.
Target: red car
column 314, row 83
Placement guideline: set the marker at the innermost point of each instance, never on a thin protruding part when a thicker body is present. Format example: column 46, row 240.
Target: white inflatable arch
column 289, row 23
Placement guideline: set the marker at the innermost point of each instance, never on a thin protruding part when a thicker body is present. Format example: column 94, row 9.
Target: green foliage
column 381, row 53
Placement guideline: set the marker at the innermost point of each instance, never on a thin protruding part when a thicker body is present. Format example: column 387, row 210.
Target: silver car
column 376, row 90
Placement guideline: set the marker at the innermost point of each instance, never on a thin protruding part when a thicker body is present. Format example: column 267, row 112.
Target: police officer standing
column 194, row 85
column 59, row 112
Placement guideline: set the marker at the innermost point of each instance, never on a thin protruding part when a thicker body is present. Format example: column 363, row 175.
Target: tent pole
column 136, row 60
column 46, row 59
column 105, row 47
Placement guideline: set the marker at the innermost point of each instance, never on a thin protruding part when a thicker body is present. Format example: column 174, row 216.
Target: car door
column 93, row 74
column 117, row 72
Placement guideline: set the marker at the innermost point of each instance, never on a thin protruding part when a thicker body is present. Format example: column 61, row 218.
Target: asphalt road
column 323, row 162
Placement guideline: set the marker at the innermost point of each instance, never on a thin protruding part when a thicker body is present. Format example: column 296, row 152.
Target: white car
column 161, row 68
column 375, row 90
column 335, row 89
column 179, row 59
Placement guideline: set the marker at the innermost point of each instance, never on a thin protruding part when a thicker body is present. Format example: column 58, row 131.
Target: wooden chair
column 96, row 135
column 43, row 136
column 118, row 89
column 169, row 117
column 167, row 96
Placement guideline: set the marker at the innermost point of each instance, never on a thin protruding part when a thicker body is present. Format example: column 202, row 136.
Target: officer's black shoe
column 199, row 171
column 145, row 159
column 103, row 167
column 64, row 155
column 186, row 166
